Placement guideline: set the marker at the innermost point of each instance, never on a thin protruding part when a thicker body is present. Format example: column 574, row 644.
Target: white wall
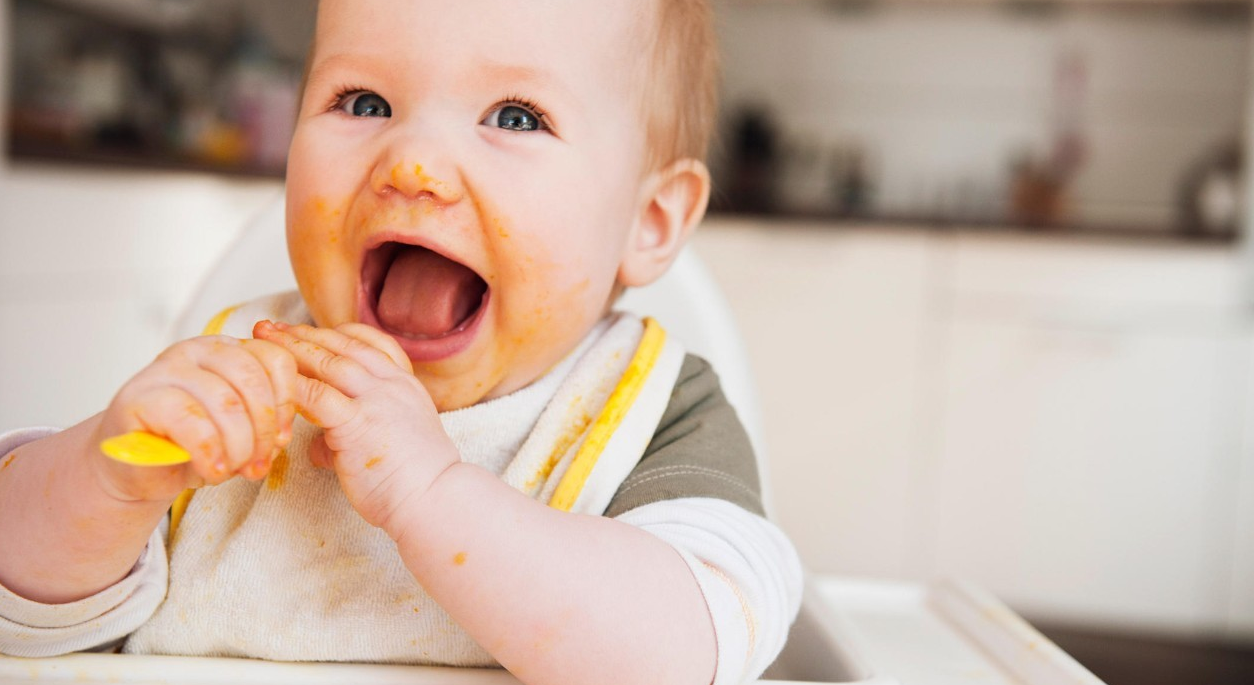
column 944, row 97
column 94, row 265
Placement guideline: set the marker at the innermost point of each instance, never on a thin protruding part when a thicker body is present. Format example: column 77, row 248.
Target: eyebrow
column 343, row 60
column 501, row 72
column 513, row 72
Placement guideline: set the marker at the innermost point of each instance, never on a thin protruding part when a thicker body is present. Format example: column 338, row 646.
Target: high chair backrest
column 686, row 301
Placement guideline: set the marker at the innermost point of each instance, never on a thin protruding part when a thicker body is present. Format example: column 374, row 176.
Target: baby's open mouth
column 420, row 294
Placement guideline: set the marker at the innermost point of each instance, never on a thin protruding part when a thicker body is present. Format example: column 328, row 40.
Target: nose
column 401, row 171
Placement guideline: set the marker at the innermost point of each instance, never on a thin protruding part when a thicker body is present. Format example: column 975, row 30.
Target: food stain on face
column 278, row 471
column 321, row 208
column 8, row 460
column 398, row 170
column 373, row 462
column 415, row 180
column 459, row 558
column 320, row 212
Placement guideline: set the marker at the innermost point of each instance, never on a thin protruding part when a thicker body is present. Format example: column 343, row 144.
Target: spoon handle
column 144, row 449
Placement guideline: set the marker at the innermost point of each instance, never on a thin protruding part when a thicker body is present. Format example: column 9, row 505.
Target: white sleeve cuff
column 32, row 629
column 14, row 439
column 748, row 573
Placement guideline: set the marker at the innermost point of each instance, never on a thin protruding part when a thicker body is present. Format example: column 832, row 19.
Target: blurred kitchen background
column 989, row 258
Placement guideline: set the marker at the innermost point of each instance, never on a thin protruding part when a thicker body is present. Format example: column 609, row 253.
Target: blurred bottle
column 1211, row 198
column 1069, row 149
column 851, row 182
column 1036, row 192
column 1039, row 184
column 754, row 161
column 263, row 104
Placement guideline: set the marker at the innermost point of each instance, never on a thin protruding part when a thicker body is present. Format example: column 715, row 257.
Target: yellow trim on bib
column 608, row 421
column 215, row 325
column 179, row 507
column 176, row 514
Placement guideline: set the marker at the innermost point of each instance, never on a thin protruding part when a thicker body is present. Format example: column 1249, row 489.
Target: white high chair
column 863, row 632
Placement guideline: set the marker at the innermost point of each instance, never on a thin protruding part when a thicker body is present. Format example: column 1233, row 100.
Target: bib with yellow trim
column 286, row 570
column 597, row 426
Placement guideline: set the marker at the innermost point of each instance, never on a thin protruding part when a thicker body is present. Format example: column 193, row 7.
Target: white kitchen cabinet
column 1090, row 425
column 1060, row 419
column 834, row 325
column 1084, row 474
column 1241, row 528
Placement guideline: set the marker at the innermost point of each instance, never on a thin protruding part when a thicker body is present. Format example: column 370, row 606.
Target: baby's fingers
column 322, row 404
column 280, row 367
column 325, row 380
column 346, row 363
column 254, row 397
column 175, row 414
column 228, row 410
column 380, row 341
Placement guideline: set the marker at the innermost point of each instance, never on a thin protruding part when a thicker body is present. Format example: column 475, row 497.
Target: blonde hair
column 680, row 90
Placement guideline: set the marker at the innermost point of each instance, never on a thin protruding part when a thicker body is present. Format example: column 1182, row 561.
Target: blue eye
column 515, row 118
column 366, row 104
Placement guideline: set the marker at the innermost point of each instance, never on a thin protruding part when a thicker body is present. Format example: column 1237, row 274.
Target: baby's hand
column 228, row 402
column 382, row 433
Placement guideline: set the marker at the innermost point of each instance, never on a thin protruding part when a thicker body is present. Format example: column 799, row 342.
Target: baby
column 453, row 451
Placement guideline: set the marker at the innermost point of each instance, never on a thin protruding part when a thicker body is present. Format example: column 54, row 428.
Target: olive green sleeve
column 700, row 449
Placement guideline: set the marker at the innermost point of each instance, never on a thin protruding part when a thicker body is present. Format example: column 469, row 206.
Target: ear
column 672, row 203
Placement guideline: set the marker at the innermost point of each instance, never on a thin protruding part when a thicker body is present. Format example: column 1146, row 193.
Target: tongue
column 425, row 295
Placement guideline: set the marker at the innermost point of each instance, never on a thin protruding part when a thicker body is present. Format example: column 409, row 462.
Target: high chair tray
column 849, row 631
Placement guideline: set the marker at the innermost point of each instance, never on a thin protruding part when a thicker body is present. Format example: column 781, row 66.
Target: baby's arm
column 65, row 537
column 73, row 522
column 555, row 597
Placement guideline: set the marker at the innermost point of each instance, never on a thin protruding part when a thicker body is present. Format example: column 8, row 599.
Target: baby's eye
column 365, row 104
column 515, row 117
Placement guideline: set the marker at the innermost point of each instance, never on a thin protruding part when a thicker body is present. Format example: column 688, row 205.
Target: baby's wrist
column 412, row 509
column 74, row 456
column 108, row 477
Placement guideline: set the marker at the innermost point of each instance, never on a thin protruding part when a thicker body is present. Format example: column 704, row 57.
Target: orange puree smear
column 564, row 443
column 278, row 471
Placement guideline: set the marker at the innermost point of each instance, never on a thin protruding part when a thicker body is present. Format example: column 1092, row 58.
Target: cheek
column 322, row 178
column 567, row 258
column 324, row 270
column 563, row 284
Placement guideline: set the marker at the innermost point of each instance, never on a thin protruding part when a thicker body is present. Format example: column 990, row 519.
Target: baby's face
column 464, row 176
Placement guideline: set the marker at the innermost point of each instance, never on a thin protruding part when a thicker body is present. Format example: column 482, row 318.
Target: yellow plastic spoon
column 143, row 449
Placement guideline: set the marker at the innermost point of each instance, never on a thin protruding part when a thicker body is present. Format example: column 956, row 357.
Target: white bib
column 286, row 570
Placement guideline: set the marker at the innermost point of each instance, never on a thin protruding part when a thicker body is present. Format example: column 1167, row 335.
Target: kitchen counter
column 822, row 219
